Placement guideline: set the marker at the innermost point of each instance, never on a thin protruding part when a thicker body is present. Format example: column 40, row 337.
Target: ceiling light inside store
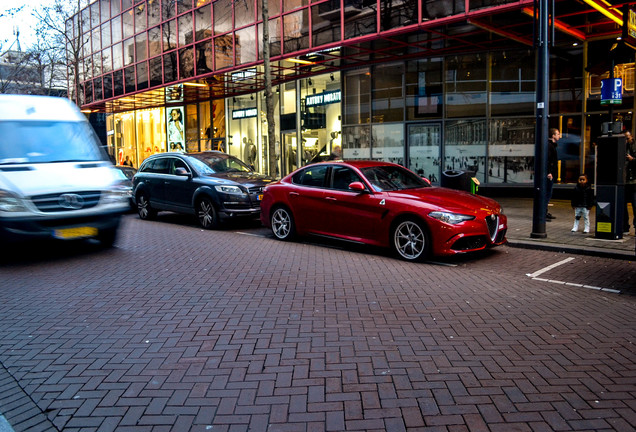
column 194, row 84
column 299, row 61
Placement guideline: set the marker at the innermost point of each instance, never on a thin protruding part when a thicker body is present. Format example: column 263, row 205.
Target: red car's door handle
column 293, row 194
column 331, row 199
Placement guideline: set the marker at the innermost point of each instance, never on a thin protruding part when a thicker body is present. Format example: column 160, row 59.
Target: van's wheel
column 207, row 214
column 410, row 240
column 107, row 237
column 282, row 223
column 145, row 211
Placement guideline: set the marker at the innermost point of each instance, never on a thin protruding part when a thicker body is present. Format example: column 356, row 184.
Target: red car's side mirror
column 428, row 182
column 357, row 186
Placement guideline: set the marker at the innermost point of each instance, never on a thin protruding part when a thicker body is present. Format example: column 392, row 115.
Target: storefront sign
column 629, row 26
column 323, row 98
column 244, row 113
column 611, row 91
column 243, row 75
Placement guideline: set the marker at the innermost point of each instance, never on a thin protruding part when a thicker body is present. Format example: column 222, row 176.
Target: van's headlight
column 10, row 202
column 118, row 194
column 235, row 190
column 450, row 218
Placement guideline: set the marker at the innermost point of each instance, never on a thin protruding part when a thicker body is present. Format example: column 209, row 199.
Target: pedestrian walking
column 553, row 167
column 582, row 202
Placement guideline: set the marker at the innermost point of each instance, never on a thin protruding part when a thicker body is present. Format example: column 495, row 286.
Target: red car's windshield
column 390, row 177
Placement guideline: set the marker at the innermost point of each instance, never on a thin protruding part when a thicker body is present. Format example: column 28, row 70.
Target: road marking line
column 548, row 268
column 249, row 234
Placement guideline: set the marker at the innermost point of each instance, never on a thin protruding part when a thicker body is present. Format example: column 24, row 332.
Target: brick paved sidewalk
column 559, row 235
column 168, row 333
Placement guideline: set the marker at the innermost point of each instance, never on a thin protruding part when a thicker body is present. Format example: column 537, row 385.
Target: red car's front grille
column 470, row 243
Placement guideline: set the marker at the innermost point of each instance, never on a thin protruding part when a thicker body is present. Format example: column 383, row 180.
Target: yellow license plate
column 260, row 197
column 77, row 232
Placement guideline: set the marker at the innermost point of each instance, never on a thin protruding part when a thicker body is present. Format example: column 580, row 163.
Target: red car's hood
column 449, row 199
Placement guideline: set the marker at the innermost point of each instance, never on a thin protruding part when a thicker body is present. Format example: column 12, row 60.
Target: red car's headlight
column 451, row 218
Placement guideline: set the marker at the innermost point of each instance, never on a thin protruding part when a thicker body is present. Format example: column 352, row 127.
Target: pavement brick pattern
column 181, row 329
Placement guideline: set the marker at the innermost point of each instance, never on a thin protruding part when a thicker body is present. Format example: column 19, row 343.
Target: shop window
column 362, row 23
column 387, row 93
column 105, row 9
column 512, row 83
column 296, row 31
column 223, row 51
column 108, row 86
column 129, row 51
column 94, row 11
column 192, row 129
column 357, row 97
column 203, row 23
column 96, row 45
column 105, row 31
column 245, row 43
column 107, row 60
column 222, row 16
column 325, row 22
column 433, row 9
column 154, row 41
column 388, row 143
column 129, row 77
column 566, row 82
column 116, row 29
column 140, row 18
column 118, row 56
column 356, row 142
column 186, row 63
column 141, row 48
column 97, row 85
column 183, row 5
column 244, row 13
column 424, row 147
column 88, row 92
column 424, row 89
column 465, row 146
column 185, row 29
column 289, row 5
column 511, row 150
column 466, row 86
column 154, row 71
column 169, row 67
column 85, row 21
column 142, row 75
column 128, row 21
column 274, row 38
column 397, row 15
column 154, row 12
column 205, row 57
column 169, row 31
column 97, row 64
column 167, row 9
column 118, row 83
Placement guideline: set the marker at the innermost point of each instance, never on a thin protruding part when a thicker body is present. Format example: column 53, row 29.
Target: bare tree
column 61, row 42
column 269, row 95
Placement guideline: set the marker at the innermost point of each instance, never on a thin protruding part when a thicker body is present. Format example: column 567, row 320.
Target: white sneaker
column 586, row 231
column 573, row 230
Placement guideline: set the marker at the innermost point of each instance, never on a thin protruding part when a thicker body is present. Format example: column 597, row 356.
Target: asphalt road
column 178, row 329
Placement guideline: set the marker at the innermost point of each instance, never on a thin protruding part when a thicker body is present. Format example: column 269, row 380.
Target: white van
column 56, row 181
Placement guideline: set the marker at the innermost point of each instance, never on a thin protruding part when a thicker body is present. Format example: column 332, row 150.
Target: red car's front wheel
column 410, row 240
column 282, row 223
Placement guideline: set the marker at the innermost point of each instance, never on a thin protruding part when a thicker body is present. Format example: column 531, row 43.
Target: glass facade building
column 433, row 85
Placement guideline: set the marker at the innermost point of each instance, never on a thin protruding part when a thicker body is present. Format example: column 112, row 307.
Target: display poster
column 174, row 124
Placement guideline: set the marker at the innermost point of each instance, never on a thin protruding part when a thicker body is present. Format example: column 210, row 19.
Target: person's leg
column 575, row 227
column 586, row 220
column 548, row 194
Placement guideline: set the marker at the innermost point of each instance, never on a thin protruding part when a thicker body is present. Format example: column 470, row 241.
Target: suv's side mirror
column 182, row 172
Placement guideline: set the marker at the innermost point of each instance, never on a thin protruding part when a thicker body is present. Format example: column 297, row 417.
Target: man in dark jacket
column 553, row 166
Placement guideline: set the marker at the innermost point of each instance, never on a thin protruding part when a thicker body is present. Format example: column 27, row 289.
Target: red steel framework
column 500, row 25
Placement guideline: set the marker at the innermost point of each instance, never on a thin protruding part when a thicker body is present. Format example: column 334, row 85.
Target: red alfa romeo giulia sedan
column 381, row 204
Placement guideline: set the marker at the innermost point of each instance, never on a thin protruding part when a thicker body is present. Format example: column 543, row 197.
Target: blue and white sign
column 611, row 91
column 244, row 113
column 324, row 98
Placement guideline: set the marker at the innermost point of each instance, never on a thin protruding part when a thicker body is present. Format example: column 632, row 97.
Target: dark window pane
column 129, row 75
column 186, row 63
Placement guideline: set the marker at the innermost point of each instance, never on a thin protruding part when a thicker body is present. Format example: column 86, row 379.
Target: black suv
column 211, row 185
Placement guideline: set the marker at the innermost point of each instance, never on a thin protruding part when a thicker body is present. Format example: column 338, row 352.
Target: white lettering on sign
column 323, row 98
column 244, row 113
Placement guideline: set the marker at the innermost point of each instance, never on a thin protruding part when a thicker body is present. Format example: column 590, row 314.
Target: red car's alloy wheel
column 410, row 240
